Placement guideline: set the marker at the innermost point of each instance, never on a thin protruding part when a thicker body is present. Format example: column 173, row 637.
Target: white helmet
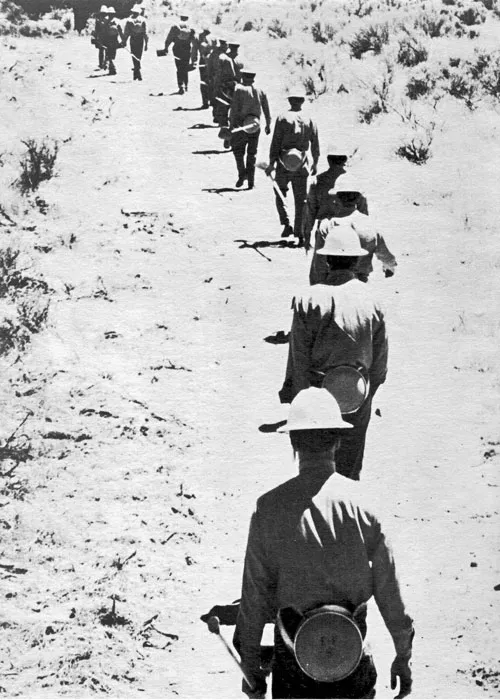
column 341, row 240
column 314, row 409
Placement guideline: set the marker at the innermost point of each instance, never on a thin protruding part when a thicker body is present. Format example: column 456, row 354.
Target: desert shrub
column 417, row 149
column 33, row 314
column 13, row 279
column 471, row 14
column 420, row 84
column 371, row 38
column 460, row 86
column 410, row 53
column 37, row 165
column 360, row 8
column 322, row 32
column 449, row 2
column 12, row 12
column 367, row 114
column 484, row 70
column 433, row 25
column 315, row 87
column 277, row 29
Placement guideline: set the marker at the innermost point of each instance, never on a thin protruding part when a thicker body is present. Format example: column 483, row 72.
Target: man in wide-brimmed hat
column 136, row 30
column 226, row 77
column 181, row 36
column 338, row 324
column 201, row 50
column 247, row 106
column 112, row 38
column 97, row 36
column 294, row 153
column 316, row 553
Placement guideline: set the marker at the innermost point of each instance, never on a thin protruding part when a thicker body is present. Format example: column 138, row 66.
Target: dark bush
column 433, row 25
column 410, row 53
column 372, row 38
column 37, row 164
column 417, row 150
column 419, row 85
column 367, row 114
column 473, row 14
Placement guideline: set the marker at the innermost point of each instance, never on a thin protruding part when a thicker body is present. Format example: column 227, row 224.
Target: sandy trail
column 185, row 294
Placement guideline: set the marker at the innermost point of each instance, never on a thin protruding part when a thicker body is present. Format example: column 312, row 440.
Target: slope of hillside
column 135, row 374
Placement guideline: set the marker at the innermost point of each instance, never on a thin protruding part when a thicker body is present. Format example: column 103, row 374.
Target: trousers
column 289, row 681
column 102, row 56
column 182, row 54
column 298, row 180
column 204, row 87
column 350, row 453
column 245, row 144
column 136, row 49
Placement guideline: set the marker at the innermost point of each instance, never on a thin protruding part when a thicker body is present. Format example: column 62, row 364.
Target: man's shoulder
column 269, row 500
column 313, row 297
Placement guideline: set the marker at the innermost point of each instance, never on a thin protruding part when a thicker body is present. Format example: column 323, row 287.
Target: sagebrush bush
column 420, row 84
column 417, row 150
column 410, row 53
column 367, row 114
column 433, row 25
column 13, row 279
column 277, row 29
column 460, row 86
column 471, row 14
column 323, row 32
column 37, row 165
column 371, row 38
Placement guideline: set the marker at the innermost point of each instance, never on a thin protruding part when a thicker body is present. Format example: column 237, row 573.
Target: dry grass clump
column 421, row 83
column 370, row 38
column 323, row 32
column 37, row 164
column 381, row 91
column 411, row 52
column 417, row 149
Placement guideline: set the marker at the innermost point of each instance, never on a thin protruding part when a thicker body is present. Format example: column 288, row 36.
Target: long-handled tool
column 213, row 624
column 263, row 166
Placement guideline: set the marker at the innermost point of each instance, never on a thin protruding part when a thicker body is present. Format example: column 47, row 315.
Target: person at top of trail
column 339, row 326
column 226, row 77
column 247, row 106
column 112, row 38
column 181, row 36
column 201, row 50
column 294, row 136
column 97, row 36
column 136, row 31
column 317, row 552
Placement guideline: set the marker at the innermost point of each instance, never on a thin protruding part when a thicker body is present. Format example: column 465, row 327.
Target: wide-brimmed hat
column 103, row 10
column 296, row 92
column 136, row 10
column 183, row 18
column 111, row 11
column 341, row 240
column 336, row 158
column 314, row 409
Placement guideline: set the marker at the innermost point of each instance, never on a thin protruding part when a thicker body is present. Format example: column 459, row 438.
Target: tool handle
column 213, row 624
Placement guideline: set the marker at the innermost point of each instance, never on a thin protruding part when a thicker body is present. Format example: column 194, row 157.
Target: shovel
column 213, row 624
column 263, row 166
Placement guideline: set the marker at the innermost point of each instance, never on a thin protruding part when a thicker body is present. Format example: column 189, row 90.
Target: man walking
column 97, row 36
column 112, row 38
column 202, row 48
column 227, row 75
column 136, row 30
column 181, row 36
column 247, row 106
column 336, row 325
column 317, row 552
column 294, row 135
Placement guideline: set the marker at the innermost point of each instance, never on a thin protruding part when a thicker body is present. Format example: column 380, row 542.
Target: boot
column 241, row 181
column 287, row 231
column 112, row 69
column 139, row 75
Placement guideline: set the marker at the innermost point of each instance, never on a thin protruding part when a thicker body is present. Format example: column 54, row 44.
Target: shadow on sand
column 187, row 109
column 265, row 244
column 210, row 152
column 204, row 126
column 221, row 190
column 271, row 427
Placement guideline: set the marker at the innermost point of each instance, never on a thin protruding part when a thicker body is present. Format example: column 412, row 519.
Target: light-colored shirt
column 336, row 323
column 248, row 100
column 294, row 130
column 316, row 540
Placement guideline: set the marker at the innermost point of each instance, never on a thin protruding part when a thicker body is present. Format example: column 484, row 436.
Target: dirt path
column 161, row 359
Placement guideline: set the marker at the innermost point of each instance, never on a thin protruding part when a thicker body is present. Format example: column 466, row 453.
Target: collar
column 321, row 463
column 338, row 277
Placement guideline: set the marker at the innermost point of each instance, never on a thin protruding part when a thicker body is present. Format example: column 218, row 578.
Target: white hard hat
column 103, row 10
column 314, row 409
column 136, row 9
column 342, row 240
column 297, row 91
column 111, row 11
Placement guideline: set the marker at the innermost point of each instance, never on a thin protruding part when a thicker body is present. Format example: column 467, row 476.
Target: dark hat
column 337, row 159
column 184, row 17
column 235, row 44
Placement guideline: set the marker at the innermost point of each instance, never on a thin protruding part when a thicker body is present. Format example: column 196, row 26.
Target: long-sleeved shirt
column 200, row 50
column 294, row 130
column 248, row 101
column 180, row 33
column 135, row 28
column 370, row 239
column 112, row 34
column 316, row 540
column 322, row 202
column 336, row 323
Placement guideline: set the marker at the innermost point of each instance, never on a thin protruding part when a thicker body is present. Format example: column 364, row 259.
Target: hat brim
column 354, row 253
column 289, row 427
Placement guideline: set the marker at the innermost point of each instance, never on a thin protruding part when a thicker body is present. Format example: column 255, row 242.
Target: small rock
column 473, row 564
